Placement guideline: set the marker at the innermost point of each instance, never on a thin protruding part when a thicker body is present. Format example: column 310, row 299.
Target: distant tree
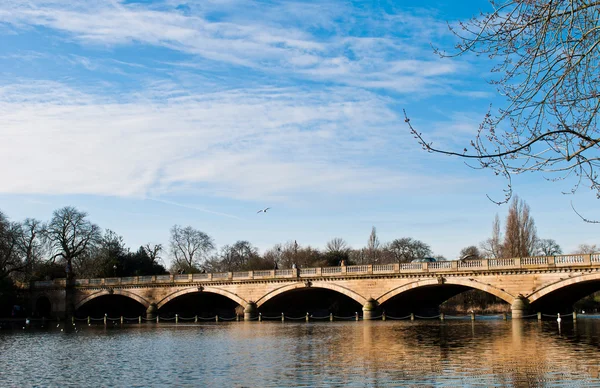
column 470, row 253
column 10, row 260
column 70, row 236
column 336, row 250
column 239, row 256
column 492, row 247
column 373, row 249
column 110, row 256
column 407, row 249
column 520, row 237
column 31, row 244
column 139, row 263
column 584, row 249
column 548, row 247
column 153, row 251
column 189, row 247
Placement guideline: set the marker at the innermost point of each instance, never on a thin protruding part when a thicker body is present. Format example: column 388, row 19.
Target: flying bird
column 263, row 210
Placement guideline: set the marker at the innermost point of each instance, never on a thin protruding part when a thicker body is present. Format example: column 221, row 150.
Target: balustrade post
column 518, row 262
column 251, row 274
column 229, row 275
column 319, row 271
column 587, row 259
column 344, row 269
column 370, row 269
column 454, row 265
column 190, row 277
column 396, row 267
column 209, row 277
column 171, row 278
column 485, row 263
column 273, row 274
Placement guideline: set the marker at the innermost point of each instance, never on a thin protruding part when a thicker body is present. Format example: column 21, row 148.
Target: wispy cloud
column 240, row 144
column 287, row 39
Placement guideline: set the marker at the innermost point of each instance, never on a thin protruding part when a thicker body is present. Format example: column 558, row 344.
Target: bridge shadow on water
column 317, row 302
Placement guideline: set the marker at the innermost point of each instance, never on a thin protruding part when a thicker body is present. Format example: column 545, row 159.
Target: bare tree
column 407, row 249
column 70, row 235
column 373, row 250
column 520, row 237
column 548, row 247
column 30, row 244
column 238, row 256
column 470, row 253
column 586, row 249
column 10, row 261
column 545, row 55
column 492, row 247
column 337, row 245
column 189, row 247
column 153, row 251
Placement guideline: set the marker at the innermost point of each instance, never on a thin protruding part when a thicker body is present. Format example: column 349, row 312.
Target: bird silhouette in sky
column 263, row 210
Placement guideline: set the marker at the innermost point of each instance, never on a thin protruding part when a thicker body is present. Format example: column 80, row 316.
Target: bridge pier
column 151, row 312
column 369, row 309
column 519, row 307
column 250, row 311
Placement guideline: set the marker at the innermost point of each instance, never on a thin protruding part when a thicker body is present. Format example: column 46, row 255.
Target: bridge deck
column 441, row 267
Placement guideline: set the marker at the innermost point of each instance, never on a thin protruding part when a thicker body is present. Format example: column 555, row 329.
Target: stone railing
column 537, row 262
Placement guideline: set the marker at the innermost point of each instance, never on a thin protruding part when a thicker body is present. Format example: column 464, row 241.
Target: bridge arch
column 214, row 290
column 474, row 284
column 538, row 294
column 326, row 285
column 128, row 294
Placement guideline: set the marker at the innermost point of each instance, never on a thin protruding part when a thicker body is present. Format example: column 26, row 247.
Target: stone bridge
column 547, row 284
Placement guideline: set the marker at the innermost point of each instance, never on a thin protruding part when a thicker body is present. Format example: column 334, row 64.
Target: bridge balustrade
column 440, row 265
column 501, row 263
column 353, row 270
column 384, row 268
column 569, row 259
column 534, row 260
column 331, row 270
column 357, row 269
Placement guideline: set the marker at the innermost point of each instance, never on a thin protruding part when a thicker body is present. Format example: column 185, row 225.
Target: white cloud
column 241, row 144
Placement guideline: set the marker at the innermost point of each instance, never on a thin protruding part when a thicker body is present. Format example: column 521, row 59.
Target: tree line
column 70, row 245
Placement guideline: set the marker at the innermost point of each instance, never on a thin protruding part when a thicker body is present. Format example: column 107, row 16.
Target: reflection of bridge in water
column 548, row 284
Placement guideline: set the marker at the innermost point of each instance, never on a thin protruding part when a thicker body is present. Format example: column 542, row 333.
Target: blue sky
column 147, row 114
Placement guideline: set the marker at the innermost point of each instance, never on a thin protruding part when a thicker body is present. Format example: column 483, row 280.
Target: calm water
column 401, row 353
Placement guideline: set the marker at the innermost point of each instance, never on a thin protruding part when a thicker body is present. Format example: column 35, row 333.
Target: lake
column 315, row 354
